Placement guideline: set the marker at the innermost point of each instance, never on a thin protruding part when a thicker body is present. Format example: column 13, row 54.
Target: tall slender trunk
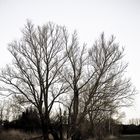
column 46, row 114
column 75, row 113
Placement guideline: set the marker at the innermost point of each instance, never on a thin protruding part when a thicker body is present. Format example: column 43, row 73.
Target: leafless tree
column 97, row 82
column 33, row 75
column 1, row 112
column 108, row 89
column 74, row 75
column 134, row 121
column 5, row 111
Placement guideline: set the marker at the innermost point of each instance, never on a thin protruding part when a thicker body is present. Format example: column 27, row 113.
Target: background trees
column 51, row 66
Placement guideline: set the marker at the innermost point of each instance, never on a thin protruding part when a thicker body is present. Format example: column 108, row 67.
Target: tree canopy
column 50, row 67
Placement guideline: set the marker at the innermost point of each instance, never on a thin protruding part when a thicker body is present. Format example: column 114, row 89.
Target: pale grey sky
column 88, row 17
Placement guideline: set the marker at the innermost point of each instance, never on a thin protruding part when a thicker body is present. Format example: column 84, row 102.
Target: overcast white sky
column 88, row 17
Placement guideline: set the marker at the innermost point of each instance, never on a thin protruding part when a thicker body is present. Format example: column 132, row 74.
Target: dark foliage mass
column 130, row 129
column 27, row 121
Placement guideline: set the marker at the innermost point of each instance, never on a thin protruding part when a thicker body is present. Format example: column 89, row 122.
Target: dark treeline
column 130, row 129
column 29, row 121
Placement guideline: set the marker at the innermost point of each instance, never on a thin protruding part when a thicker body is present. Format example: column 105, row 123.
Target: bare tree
column 97, row 82
column 134, row 121
column 33, row 75
column 1, row 113
column 75, row 77
column 108, row 89
column 5, row 111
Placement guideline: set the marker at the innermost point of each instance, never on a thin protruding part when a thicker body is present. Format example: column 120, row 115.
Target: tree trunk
column 75, row 114
column 61, row 128
column 45, row 131
column 44, row 128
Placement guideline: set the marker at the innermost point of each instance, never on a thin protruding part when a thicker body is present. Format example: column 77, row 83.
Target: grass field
column 129, row 137
column 19, row 135
column 16, row 135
